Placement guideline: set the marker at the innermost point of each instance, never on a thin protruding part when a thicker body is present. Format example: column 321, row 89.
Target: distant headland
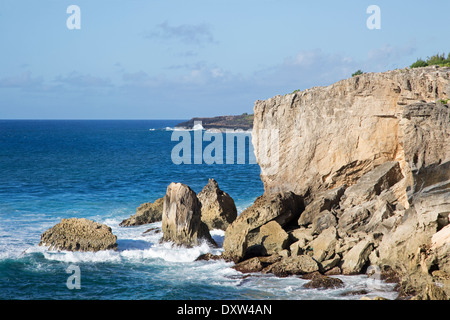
column 236, row 122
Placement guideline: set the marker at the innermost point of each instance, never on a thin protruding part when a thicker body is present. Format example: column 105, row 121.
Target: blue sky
column 154, row 59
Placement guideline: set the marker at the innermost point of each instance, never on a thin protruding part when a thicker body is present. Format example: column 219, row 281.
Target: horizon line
column 62, row 119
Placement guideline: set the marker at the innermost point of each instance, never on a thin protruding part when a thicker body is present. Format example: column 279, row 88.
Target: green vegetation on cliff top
column 436, row 60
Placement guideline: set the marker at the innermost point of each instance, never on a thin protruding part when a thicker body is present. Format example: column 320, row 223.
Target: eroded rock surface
column 218, row 208
column 79, row 235
column 181, row 219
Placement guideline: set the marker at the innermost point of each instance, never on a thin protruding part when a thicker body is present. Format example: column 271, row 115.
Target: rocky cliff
column 326, row 137
column 369, row 158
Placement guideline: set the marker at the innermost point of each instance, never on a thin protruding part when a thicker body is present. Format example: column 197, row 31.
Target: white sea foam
column 77, row 257
column 196, row 127
column 177, row 129
column 178, row 266
column 168, row 252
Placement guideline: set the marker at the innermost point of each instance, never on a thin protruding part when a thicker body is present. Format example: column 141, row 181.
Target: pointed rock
column 218, row 208
column 181, row 219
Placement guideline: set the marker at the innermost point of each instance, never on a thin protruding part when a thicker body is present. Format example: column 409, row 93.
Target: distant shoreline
column 236, row 122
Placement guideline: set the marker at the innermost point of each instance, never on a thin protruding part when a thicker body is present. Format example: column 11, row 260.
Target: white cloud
column 24, row 81
column 83, row 80
column 187, row 33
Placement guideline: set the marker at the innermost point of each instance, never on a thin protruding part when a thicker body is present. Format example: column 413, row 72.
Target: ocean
column 103, row 170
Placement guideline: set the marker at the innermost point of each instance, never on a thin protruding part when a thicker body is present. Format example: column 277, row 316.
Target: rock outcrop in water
column 181, row 218
column 370, row 159
column 218, row 208
column 146, row 213
column 79, row 235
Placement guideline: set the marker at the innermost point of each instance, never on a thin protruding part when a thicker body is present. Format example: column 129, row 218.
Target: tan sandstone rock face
column 181, row 219
column 370, row 156
column 218, row 208
column 330, row 136
column 79, row 235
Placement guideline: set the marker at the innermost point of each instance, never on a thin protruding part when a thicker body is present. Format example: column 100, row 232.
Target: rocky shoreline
column 361, row 186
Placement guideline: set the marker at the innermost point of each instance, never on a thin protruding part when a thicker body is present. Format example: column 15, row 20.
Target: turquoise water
column 103, row 170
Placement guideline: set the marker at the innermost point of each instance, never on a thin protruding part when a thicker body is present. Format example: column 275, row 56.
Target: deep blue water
column 103, row 170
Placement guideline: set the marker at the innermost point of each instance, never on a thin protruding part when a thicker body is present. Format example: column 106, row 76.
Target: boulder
column 329, row 264
column 325, row 201
column 257, row 264
column 324, row 221
column 323, row 247
column 379, row 215
column 294, row 265
column 301, row 233
column 319, row 281
column 273, row 238
column 79, row 235
column 218, row 208
column 181, row 219
column 297, row 248
column 251, row 265
column 146, row 213
column 355, row 259
column 355, row 218
column 334, row 271
column 243, row 233
column 208, row 256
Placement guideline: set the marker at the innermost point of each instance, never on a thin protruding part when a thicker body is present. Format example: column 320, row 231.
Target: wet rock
column 319, row 281
column 79, row 235
column 181, row 219
column 250, row 265
column 294, row 265
column 334, row 272
column 208, row 256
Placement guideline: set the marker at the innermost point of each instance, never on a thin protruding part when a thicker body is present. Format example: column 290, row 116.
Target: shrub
column 357, row 73
column 436, row 60
column 419, row 64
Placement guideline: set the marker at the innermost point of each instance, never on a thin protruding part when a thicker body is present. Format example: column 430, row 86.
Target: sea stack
column 181, row 218
column 218, row 208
